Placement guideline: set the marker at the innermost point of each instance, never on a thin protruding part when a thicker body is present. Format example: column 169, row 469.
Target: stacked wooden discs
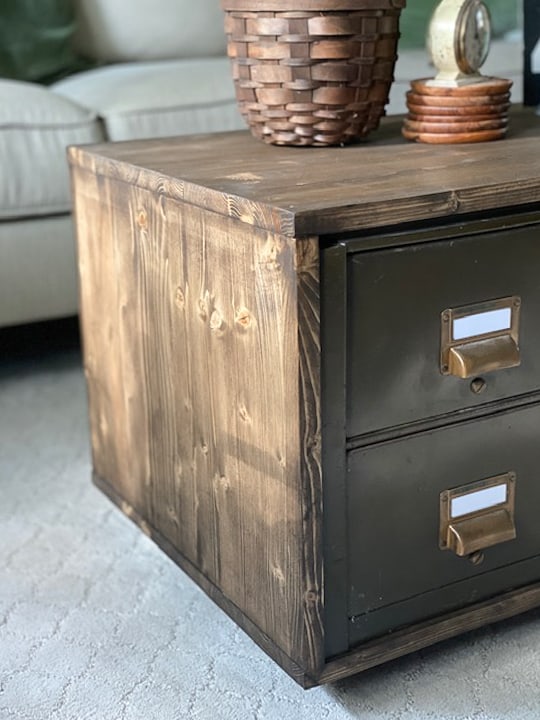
column 470, row 113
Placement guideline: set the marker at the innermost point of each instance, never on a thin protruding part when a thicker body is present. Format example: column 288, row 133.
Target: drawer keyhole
column 478, row 385
column 477, row 558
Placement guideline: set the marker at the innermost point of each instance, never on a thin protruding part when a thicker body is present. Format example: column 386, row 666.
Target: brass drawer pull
column 480, row 338
column 478, row 515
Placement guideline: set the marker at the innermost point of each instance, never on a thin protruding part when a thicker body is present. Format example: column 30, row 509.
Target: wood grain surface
column 204, row 395
column 307, row 191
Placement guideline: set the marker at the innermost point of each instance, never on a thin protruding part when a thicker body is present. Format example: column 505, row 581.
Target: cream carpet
column 95, row 622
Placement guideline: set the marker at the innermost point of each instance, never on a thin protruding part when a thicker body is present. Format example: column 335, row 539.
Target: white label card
column 482, row 323
column 480, row 500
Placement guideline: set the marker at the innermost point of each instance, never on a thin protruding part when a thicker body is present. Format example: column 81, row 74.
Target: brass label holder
column 480, row 338
column 479, row 515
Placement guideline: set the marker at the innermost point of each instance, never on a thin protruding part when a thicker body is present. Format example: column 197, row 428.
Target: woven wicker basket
column 312, row 72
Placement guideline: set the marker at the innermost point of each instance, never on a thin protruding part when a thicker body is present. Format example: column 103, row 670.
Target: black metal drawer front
column 394, row 495
column 395, row 304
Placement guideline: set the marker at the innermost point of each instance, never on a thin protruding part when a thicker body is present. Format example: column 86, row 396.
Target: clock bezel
column 470, row 7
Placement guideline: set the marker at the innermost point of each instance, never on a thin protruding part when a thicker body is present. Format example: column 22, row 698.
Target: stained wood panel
column 110, row 319
column 295, row 191
column 309, row 339
column 205, row 413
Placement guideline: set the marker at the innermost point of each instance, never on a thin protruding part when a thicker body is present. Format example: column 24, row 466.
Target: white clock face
column 473, row 35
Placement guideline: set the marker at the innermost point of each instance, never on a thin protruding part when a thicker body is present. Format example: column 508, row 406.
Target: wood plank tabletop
column 302, row 191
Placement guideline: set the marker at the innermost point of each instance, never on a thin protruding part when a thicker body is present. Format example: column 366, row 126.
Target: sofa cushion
column 175, row 97
column 36, row 125
column 126, row 30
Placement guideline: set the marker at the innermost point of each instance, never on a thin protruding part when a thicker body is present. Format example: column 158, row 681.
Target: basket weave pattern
column 313, row 78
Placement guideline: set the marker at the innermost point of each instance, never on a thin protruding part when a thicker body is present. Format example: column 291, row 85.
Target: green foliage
column 35, row 40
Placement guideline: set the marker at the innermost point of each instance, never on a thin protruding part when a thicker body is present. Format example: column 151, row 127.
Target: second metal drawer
column 421, row 508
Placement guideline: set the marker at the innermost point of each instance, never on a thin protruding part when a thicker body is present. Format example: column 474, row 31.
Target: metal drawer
column 395, row 327
column 397, row 527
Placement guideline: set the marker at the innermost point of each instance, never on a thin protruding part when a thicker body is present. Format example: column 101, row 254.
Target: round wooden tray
column 490, row 86
column 470, row 113
column 456, row 119
column 424, row 125
column 453, row 138
column 457, row 101
column 475, row 110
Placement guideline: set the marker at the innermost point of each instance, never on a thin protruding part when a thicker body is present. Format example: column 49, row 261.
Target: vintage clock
column 459, row 104
column 458, row 40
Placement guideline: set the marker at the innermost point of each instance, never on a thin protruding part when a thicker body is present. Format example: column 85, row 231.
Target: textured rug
column 97, row 623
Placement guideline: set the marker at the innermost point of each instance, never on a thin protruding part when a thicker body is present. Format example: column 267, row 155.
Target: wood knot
column 281, row 459
column 453, row 202
column 126, row 508
column 243, row 318
column 171, row 512
column 245, row 177
column 223, row 483
column 216, row 321
column 145, row 527
column 270, row 254
column 142, row 219
column 103, row 425
column 178, row 470
column 203, row 309
column 179, row 297
column 242, row 411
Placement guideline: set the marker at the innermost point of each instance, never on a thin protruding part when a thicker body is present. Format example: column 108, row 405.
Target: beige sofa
column 162, row 71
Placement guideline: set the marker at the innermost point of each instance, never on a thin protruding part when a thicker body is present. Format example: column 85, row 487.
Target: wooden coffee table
column 314, row 379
